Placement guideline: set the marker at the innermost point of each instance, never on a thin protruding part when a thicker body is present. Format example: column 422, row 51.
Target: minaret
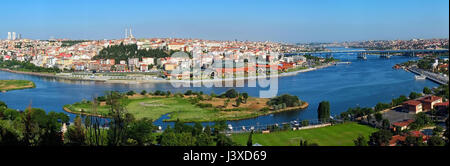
column 126, row 33
column 131, row 34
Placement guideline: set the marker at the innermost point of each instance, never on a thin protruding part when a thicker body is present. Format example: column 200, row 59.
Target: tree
column 120, row 119
column 3, row 105
column 324, row 111
column 232, row 93
column 250, row 141
column 130, row 93
column 238, row 101
column 188, row 93
column 204, row 139
column 369, row 118
column 437, row 130
column 305, row 143
column 288, row 100
column 197, row 129
column 76, row 134
column 413, row 141
column 360, row 141
column 435, row 141
column 223, row 140
column 141, row 131
column 245, row 96
column 427, row 90
column 144, row 92
column 305, row 123
column 378, row 117
column 380, row 138
column 386, row 124
column 226, row 102
column 421, row 120
column 414, row 95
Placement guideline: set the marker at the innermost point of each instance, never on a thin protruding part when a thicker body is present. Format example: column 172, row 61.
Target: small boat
column 420, row 77
column 230, row 127
column 385, row 56
column 364, row 57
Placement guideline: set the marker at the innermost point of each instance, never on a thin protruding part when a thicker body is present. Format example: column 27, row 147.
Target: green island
column 188, row 107
column 336, row 135
column 7, row 85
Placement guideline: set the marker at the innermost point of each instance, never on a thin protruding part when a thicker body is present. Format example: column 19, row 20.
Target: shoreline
column 302, row 107
column 31, row 86
column 168, row 81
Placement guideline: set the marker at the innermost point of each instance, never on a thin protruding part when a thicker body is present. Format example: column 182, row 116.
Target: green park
column 7, row 85
column 336, row 135
column 188, row 107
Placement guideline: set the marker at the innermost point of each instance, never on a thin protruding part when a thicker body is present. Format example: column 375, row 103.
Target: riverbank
column 8, row 85
column 335, row 135
column 186, row 109
column 67, row 76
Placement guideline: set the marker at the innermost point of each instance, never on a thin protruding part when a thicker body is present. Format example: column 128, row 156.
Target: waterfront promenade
column 441, row 79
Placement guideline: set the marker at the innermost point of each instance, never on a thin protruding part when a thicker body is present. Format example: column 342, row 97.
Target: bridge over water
column 371, row 52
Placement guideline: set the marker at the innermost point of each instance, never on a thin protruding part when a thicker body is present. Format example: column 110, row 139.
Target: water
column 362, row 83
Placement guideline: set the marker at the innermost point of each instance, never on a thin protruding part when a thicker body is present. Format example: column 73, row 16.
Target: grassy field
column 153, row 107
column 337, row 135
column 7, row 85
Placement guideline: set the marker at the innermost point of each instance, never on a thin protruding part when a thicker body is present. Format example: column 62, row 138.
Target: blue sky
column 255, row 20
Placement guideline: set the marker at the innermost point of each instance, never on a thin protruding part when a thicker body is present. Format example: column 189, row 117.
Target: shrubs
column 288, row 100
column 188, row 93
column 232, row 93
column 305, row 122
column 130, row 93
column 202, row 105
column 144, row 92
column 265, row 109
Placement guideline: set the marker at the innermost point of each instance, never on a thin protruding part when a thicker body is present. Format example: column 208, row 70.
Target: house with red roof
column 412, row 106
column 403, row 125
column 441, row 106
column 428, row 102
column 396, row 139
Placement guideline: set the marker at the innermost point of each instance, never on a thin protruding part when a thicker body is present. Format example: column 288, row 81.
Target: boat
column 364, row 57
column 385, row 56
column 420, row 77
column 230, row 127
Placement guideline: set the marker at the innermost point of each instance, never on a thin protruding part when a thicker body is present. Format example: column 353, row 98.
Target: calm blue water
column 361, row 83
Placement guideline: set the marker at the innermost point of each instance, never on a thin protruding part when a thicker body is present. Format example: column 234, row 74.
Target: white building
column 14, row 36
column 9, row 36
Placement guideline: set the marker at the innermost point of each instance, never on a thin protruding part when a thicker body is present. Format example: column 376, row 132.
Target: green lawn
column 154, row 108
column 337, row 135
column 6, row 85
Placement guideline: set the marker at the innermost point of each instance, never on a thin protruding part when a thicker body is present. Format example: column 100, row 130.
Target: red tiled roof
column 412, row 102
column 403, row 123
column 416, row 133
column 442, row 104
column 430, row 98
column 396, row 138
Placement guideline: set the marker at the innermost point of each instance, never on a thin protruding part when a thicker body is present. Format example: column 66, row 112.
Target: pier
column 431, row 76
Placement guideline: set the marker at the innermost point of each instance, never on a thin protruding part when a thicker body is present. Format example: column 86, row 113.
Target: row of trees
column 33, row 127
column 123, row 52
column 288, row 100
column 27, row 66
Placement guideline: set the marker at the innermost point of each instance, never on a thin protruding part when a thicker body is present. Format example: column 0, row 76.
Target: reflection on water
column 361, row 83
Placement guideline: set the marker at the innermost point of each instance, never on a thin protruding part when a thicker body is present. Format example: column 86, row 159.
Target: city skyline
column 279, row 21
